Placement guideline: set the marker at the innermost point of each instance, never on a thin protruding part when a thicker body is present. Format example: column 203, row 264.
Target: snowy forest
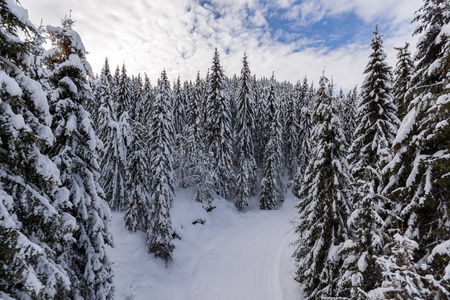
column 370, row 167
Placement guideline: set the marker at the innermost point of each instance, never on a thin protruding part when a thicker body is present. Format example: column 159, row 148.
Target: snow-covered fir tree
column 179, row 121
column 114, row 162
column 137, row 216
column 349, row 115
column 245, row 122
column 219, row 129
column 124, row 95
column 418, row 179
column 159, row 236
column 324, row 206
column 403, row 72
column 259, row 133
column 291, row 130
column 144, row 107
column 304, row 131
column 377, row 125
column 34, row 230
column 199, row 168
column 105, row 111
column 272, row 192
column 75, row 152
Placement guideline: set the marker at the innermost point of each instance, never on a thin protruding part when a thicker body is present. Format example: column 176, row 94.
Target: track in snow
column 250, row 261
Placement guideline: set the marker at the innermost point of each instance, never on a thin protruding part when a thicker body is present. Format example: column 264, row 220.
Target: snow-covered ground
column 233, row 255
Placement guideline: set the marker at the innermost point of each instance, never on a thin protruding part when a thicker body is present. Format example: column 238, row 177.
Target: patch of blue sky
column 331, row 32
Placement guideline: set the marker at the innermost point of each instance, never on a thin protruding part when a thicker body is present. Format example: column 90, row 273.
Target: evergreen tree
column 271, row 185
column 219, row 135
column 304, row 132
column 144, row 107
column 179, row 107
column 377, row 123
column 112, row 168
column 179, row 120
column 259, row 133
column 291, row 139
column 324, row 206
column 376, row 128
column 403, row 72
column 199, row 168
column 418, row 174
column 34, row 231
column 75, row 154
column 159, row 234
column 114, row 163
column 244, row 125
column 106, row 106
column 349, row 115
column 124, row 93
column 137, row 216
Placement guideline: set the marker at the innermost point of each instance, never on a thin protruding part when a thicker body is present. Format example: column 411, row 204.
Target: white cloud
column 180, row 35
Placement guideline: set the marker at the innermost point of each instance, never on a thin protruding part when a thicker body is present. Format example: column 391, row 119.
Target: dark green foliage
column 159, row 234
column 245, row 126
column 418, row 177
column 403, row 73
column 324, row 206
column 75, row 154
column 34, row 231
column 219, row 129
column 271, row 185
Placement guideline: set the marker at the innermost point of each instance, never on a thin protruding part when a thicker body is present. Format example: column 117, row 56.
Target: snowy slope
column 232, row 255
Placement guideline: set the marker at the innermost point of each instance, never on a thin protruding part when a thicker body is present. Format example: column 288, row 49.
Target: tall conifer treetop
column 159, row 236
column 219, row 129
column 75, row 152
column 324, row 206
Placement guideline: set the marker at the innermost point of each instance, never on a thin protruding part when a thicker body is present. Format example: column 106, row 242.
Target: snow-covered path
column 251, row 261
column 233, row 256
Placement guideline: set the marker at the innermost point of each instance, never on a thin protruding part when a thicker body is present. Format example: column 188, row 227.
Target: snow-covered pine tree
column 75, row 152
column 144, row 108
column 272, row 192
column 377, row 125
column 113, row 156
column 245, row 122
column 105, row 107
column 324, row 206
column 179, row 107
column 258, row 133
column 136, row 95
column 124, row 94
column 291, row 130
column 403, row 72
column 34, row 231
column 137, row 216
column 418, row 175
column 179, row 120
column 341, row 99
column 159, row 235
column 114, row 162
column 219, row 131
column 199, row 168
column 349, row 115
column 304, row 138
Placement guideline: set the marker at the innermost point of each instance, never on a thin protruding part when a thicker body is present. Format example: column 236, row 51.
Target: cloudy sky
column 293, row 38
